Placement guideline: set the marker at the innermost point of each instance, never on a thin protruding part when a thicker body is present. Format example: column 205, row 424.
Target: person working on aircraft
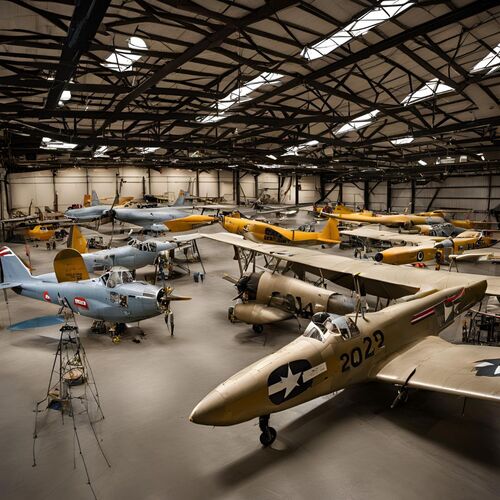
column 438, row 261
column 327, row 208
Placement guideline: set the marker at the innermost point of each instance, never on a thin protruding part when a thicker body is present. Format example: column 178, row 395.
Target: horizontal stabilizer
column 7, row 285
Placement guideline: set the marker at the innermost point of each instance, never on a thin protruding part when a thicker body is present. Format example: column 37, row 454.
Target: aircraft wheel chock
column 268, row 437
column 258, row 328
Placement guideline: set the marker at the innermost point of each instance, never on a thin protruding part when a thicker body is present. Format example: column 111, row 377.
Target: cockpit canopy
column 144, row 246
column 117, row 277
column 323, row 325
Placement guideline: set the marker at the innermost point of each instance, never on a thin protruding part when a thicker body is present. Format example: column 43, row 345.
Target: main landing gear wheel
column 258, row 328
column 268, row 433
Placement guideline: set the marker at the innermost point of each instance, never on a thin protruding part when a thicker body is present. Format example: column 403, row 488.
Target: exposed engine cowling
column 269, row 297
column 448, row 243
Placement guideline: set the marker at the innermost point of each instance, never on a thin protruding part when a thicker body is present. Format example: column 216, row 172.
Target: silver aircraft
column 88, row 214
column 154, row 220
column 134, row 255
column 114, row 297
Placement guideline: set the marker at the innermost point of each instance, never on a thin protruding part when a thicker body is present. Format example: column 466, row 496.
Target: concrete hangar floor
column 349, row 445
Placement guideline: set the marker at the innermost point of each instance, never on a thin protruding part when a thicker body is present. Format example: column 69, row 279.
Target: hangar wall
column 71, row 184
column 479, row 193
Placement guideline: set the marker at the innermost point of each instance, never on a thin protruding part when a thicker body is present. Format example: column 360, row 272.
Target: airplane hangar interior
column 250, row 249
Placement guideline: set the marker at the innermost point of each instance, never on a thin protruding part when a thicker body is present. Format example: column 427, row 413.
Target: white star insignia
column 483, row 364
column 288, row 383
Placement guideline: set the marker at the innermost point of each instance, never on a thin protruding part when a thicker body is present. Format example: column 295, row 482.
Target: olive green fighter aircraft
column 398, row 345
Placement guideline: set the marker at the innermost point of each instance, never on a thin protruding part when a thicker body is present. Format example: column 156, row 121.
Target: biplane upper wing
column 382, row 280
column 438, row 365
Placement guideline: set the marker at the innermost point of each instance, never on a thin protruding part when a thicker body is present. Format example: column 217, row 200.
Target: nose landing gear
column 268, row 433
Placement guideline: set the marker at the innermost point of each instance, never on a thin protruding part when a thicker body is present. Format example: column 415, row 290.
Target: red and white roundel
column 80, row 302
column 46, row 296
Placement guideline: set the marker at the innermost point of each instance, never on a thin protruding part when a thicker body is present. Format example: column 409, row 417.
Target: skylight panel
column 386, row 10
column 100, row 152
column 148, row 150
column 240, row 95
column 358, row 123
column 48, row 143
column 491, row 62
column 294, row 150
column 122, row 59
column 210, row 118
column 422, row 162
column 428, row 90
column 402, row 140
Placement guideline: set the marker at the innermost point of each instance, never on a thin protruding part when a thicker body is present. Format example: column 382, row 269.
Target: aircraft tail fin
column 342, row 209
column 181, row 199
column 14, row 272
column 330, row 233
column 76, row 240
column 95, row 199
column 70, row 266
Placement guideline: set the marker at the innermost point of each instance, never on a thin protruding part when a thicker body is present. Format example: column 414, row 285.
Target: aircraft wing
column 476, row 257
column 185, row 238
column 8, row 284
column 383, row 280
column 374, row 233
column 464, row 370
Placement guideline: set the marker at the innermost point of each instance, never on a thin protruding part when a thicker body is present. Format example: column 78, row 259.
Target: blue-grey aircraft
column 114, row 297
column 155, row 220
column 134, row 255
column 162, row 219
column 95, row 211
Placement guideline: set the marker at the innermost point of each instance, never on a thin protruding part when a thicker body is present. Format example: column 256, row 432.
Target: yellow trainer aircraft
column 269, row 233
column 397, row 345
column 410, row 248
column 341, row 212
column 41, row 233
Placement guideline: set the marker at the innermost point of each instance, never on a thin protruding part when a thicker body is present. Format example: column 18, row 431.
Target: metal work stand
column 71, row 390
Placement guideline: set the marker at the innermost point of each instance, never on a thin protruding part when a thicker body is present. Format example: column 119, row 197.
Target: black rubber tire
column 258, row 328
column 267, row 438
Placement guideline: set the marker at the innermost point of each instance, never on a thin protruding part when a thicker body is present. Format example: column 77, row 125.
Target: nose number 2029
column 358, row 354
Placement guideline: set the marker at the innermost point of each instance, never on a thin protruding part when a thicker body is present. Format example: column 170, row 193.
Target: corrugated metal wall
column 465, row 193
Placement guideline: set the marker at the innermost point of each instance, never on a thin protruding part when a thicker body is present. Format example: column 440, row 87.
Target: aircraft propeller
column 164, row 297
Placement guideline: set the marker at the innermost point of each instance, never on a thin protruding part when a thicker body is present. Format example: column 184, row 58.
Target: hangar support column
column 413, row 194
column 366, row 197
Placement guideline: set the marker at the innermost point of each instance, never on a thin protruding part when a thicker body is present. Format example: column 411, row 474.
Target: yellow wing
column 464, row 370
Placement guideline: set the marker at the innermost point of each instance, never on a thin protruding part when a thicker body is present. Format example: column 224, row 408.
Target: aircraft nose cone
column 210, row 410
column 379, row 257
